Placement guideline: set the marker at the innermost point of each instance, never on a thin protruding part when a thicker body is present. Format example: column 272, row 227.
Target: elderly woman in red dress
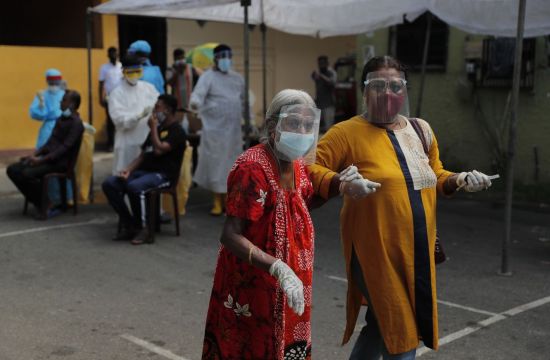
column 261, row 298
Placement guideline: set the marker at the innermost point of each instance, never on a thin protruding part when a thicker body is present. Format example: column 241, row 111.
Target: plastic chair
column 62, row 177
column 153, row 208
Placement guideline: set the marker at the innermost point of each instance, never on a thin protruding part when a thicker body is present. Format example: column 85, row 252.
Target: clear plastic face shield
column 224, row 60
column 297, row 132
column 385, row 96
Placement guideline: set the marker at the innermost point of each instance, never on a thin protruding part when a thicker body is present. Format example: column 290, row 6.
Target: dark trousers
column 28, row 179
column 136, row 187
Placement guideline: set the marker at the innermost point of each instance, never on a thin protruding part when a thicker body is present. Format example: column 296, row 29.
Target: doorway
column 150, row 29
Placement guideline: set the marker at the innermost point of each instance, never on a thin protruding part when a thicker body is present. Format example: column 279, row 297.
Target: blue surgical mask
column 224, row 64
column 67, row 112
column 294, row 145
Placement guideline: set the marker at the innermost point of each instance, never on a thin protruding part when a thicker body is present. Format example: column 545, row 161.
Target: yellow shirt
column 391, row 231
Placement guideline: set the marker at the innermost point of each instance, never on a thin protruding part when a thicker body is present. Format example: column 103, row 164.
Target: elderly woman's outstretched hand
column 291, row 285
column 473, row 181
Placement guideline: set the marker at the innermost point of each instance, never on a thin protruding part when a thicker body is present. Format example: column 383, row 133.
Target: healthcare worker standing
column 46, row 106
column 151, row 73
column 130, row 105
column 219, row 99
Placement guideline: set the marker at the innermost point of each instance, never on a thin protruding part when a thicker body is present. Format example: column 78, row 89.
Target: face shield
column 296, row 133
column 132, row 74
column 224, row 60
column 386, row 97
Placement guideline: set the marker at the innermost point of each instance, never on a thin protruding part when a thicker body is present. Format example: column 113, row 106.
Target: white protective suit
column 126, row 106
column 220, row 100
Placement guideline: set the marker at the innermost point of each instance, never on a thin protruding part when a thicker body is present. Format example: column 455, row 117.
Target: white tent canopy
column 324, row 18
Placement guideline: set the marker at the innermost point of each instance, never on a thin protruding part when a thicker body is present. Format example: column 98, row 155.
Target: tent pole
column 89, row 60
column 246, row 4
column 263, row 29
column 509, row 178
column 424, row 63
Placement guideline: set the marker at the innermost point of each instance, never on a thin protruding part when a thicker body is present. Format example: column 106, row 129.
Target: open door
column 150, row 29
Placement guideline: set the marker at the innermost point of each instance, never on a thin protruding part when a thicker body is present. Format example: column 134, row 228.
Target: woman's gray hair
column 283, row 98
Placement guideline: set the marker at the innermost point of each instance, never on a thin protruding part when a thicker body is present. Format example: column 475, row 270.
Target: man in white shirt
column 110, row 75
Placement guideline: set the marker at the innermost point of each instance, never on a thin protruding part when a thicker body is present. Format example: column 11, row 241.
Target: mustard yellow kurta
column 391, row 231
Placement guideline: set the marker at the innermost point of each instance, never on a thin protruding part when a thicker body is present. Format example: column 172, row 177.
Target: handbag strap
column 420, row 133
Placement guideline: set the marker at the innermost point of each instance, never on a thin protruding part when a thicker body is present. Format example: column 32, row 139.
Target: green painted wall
column 449, row 107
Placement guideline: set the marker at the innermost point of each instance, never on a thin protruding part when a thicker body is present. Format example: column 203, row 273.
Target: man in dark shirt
column 157, row 166
column 325, row 81
column 59, row 152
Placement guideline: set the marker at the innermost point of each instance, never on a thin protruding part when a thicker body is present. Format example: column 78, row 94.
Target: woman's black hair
column 379, row 63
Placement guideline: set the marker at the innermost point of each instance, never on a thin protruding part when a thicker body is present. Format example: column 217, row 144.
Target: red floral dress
column 248, row 317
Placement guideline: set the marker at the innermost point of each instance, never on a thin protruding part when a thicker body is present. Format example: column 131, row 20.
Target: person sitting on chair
column 158, row 166
column 55, row 156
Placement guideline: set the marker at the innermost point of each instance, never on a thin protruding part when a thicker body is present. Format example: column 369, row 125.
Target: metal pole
column 246, row 4
column 505, row 265
column 424, row 63
column 263, row 29
column 90, row 105
column 89, row 54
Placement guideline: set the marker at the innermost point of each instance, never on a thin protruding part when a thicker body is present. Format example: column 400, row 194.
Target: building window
column 60, row 23
column 407, row 43
column 497, row 63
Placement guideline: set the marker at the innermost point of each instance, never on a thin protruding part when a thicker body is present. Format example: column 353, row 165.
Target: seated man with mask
column 54, row 156
column 157, row 166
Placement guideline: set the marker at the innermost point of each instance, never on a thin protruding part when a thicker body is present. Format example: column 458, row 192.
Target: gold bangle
column 250, row 254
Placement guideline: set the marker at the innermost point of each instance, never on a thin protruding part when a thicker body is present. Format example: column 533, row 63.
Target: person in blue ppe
column 46, row 106
column 151, row 73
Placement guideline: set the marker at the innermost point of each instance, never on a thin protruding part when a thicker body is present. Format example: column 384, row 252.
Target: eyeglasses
column 295, row 123
column 381, row 85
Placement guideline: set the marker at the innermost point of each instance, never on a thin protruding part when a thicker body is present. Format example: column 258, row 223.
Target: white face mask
column 54, row 88
column 67, row 112
column 160, row 116
column 294, row 145
column 132, row 81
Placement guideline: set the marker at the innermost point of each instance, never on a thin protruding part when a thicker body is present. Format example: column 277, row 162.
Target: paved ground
column 68, row 292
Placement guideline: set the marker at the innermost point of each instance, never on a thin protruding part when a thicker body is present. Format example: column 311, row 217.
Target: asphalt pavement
column 69, row 292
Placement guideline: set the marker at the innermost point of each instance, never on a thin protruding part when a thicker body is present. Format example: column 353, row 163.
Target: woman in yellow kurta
column 388, row 225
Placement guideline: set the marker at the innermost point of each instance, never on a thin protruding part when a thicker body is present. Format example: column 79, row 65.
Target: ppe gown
column 153, row 75
column 392, row 231
column 219, row 98
column 48, row 114
column 126, row 105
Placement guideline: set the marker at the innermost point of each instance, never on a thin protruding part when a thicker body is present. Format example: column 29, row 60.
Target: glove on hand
column 350, row 173
column 473, row 181
column 291, row 285
column 146, row 112
column 358, row 188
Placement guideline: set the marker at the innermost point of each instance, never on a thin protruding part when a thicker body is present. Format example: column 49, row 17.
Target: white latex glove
column 350, row 173
column 291, row 285
column 40, row 95
column 358, row 188
column 146, row 112
column 473, row 181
